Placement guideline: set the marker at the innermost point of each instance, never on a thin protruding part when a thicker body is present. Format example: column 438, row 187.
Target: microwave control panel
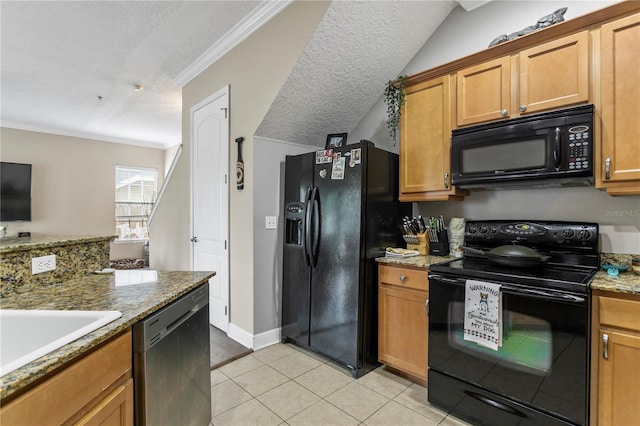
column 579, row 143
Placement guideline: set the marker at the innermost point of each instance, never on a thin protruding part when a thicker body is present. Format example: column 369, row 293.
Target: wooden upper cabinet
column 544, row 77
column 484, row 92
column 620, row 88
column 554, row 74
column 425, row 141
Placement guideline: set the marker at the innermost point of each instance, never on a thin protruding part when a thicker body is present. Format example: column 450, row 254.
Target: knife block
column 418, row 242
column 440, row 247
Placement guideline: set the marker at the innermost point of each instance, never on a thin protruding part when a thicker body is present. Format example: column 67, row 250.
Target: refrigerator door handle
column 306, row 232
column 314, row 224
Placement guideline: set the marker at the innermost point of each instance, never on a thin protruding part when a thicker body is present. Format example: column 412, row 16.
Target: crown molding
column 85, row 135
column 236, row 35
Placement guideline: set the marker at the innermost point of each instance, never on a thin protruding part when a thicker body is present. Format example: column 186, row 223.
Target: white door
column 210, row 199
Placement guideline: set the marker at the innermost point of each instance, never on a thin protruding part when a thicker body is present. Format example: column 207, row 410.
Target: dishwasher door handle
column 177, row 323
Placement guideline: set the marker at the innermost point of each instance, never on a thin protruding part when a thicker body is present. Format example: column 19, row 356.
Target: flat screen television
column 15, row 192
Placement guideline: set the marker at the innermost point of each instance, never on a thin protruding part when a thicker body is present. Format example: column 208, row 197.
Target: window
column 135, row 194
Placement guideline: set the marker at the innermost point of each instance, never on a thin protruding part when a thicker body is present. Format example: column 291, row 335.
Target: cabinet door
column 116, row 409
column 484, row 92
column 425, row 131
column 618, row 378
column 554, row 74
column 403, row 330
column 620, row 59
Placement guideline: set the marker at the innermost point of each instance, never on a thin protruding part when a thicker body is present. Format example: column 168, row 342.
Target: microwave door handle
column 556, row 149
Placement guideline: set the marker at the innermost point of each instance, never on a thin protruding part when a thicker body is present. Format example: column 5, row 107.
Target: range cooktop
column 569, row 250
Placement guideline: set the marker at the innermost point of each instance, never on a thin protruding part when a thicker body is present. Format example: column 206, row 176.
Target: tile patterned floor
column 285, row 385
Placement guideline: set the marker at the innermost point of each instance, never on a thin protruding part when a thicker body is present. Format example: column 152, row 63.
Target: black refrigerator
column 341, row 211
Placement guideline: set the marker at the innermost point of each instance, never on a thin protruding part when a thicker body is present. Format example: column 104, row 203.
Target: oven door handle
column 540, row 294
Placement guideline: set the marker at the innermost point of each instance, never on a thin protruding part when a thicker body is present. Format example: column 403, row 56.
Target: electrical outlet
column 43, row 264
column 271, row 222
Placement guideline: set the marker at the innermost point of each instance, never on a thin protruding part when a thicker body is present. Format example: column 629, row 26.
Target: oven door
column 541, row 365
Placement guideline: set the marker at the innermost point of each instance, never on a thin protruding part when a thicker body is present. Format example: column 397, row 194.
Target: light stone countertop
column 13, row 244
column 98, row 293
column 417, row 261
column 625, row 282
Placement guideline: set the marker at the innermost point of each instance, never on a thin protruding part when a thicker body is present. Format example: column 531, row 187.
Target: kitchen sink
column 26, row 335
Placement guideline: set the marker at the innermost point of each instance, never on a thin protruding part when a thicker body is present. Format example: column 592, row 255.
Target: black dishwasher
column 171, row 363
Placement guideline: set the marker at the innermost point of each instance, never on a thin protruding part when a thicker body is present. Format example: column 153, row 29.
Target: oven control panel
column 496, row 232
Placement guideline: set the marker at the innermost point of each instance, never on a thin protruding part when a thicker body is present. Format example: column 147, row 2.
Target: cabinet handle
column 607, row 168
column 504, row 112
column 446, row 181
column 605, row 346
column 426, row 307
column 523, row 108
column 403, row 278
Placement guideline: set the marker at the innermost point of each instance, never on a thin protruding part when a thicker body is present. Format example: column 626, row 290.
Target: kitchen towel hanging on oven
column 483, row 314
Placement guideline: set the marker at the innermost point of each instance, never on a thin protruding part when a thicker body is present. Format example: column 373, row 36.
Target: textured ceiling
column 69, row 67
column 57, row 57
column 357, row 48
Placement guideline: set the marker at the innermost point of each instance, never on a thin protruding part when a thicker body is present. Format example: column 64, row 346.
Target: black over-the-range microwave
column 550, row 149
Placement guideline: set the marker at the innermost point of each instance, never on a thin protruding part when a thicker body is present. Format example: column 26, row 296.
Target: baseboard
column 267, row 338
column 240, row 336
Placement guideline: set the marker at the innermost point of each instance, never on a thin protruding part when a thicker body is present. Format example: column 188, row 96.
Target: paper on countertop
column 483, row 313
column 400, row 252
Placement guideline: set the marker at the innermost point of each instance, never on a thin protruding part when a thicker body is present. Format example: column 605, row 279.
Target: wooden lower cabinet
column 615, row 360
column 402, row 320
column 115, row 409
column 95, row 390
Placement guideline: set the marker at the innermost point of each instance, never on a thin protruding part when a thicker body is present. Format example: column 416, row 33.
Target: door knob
column 194, row 239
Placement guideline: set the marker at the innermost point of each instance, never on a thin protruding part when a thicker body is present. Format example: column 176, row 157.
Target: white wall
column 464, row 33
column 73, row 183
column 255, row 70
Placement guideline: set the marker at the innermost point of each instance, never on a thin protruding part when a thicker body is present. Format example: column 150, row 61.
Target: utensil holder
column 440, row 247
column 418, row 242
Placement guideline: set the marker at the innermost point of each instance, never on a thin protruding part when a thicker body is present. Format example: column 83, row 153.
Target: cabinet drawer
column 409, row 278
column 67, row 392
column 620, row 313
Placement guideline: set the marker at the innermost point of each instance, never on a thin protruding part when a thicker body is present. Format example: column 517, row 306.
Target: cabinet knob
column 403, row 278
column 446, row 181
column 504, row 113
column 605, row 346
column 523, row 108
column 607, row 168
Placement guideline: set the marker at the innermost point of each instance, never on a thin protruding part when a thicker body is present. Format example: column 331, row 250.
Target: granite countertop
column 13, row 244
column 99, row 293
column 625, row 282
column 418, row 261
